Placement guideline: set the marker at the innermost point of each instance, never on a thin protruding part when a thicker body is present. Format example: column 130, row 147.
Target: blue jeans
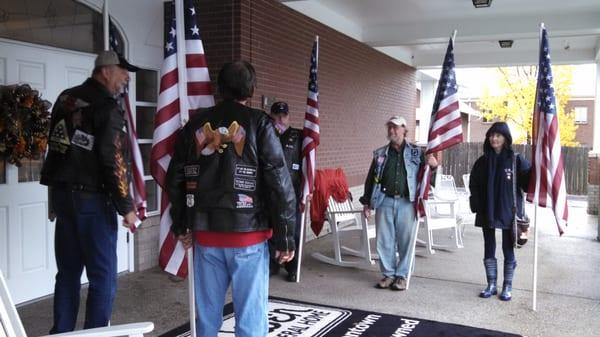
column 86, row 235
column 247, row 270
column 395, row 224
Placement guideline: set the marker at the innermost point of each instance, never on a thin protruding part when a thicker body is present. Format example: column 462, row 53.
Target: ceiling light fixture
column 482, row 3
column 505, row 43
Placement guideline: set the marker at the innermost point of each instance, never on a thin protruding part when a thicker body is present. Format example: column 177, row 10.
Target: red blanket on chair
column 328, row 182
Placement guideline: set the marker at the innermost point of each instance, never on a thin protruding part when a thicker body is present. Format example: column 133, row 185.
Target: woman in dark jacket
column 493, row 199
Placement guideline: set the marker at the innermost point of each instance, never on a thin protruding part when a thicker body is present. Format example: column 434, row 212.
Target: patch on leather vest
column 189, row 200
column 59, row 139
column 83, row 140
column 244, row 201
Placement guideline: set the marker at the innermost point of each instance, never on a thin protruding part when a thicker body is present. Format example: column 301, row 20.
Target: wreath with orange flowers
column 24, row 123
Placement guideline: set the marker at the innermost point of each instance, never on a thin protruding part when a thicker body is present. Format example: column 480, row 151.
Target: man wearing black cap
column 291, row 142
column 86, row 174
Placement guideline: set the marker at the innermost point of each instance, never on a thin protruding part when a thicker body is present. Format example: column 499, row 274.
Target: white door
column 26, row 235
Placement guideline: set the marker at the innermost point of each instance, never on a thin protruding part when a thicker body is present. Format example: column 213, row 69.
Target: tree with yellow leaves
column 512, row 99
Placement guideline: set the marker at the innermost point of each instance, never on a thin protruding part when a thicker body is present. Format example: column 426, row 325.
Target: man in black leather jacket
column 227, row 174
column 291, row 143
column 86, row 174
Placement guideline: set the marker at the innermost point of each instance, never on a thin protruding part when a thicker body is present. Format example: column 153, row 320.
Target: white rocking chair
column 11, row 325
column 343, row 219
column 442, row 212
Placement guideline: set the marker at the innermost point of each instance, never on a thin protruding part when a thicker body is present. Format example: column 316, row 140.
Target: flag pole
column 304, row 218
column 105, row 25
column 191, row 290
column 303, row 225
column 181, row 63
column 184, row 116
column 414, row 249
column 535, row 200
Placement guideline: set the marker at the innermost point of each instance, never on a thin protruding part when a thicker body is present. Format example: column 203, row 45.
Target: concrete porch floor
column 444, row 286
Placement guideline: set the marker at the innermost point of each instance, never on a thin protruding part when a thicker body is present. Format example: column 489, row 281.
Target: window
column 580, row 114
column 63, row 24
column 485, row 119
column 146, row 93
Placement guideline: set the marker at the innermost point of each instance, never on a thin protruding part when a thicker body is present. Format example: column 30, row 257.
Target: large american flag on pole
column 137, row 187
column 445, row 126
column 169, row 119
column 547, row 184
column 310, row 132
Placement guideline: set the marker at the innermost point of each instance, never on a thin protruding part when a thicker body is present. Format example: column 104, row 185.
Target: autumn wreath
column 24, row 123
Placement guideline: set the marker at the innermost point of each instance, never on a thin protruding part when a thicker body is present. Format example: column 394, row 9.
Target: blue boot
column 509, row 272
column 491, row 272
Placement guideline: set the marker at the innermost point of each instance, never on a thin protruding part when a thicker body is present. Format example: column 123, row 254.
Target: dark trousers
column 86, row 236
column 489, row 241
column 292, row 265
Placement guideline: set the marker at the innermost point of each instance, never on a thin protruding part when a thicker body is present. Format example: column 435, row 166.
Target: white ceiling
column 417, row 31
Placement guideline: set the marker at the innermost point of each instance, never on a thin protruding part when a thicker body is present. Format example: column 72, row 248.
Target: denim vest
column 412, row 162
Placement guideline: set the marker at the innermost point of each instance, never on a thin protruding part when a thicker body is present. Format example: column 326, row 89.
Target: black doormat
column 294, row 318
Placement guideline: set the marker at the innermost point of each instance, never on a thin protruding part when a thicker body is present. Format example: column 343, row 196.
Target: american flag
column 547, row 184
column 310, row 133
column 169, row 119
column 445, row 126
column 137, row 187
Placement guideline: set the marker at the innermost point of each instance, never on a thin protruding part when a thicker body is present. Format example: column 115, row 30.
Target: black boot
column 491, row 272
column 509, row 272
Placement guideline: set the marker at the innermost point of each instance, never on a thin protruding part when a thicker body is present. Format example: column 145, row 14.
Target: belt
column 395, row 196
column 77, row 187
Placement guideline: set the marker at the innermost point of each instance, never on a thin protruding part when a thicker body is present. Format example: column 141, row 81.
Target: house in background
column 426, row 90
column 581, row 103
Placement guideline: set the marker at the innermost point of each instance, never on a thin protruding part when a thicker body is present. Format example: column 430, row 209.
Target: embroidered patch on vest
column 244, row 201
column 245, row 170
column 191, row 170
column 189, row 200
column 59, row 139
column 244, row 184
column 83, row 140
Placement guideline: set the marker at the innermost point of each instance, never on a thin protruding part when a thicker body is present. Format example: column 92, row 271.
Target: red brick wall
column 359, row 87
column 219, row 22
column 585, row 131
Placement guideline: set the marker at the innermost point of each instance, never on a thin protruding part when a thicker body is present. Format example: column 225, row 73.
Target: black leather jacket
column 87, row 144
column 228, row 173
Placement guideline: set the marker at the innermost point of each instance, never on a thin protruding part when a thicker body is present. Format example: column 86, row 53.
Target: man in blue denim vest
column 390, row 188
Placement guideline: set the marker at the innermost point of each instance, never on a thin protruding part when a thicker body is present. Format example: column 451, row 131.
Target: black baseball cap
column 279, row 108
